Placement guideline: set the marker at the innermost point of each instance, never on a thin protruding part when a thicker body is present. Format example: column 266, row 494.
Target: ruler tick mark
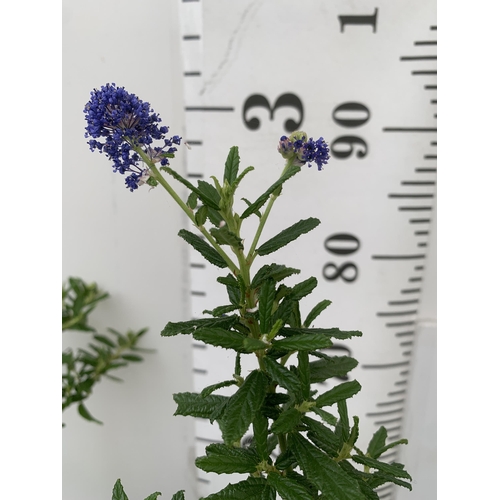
column 191, row 37
column 401, row 195
column 411, row 290
column 404, row 334
column 398, row 257
column 425, row 170
column 382, row 422
column 421, row 233
column 426, row 42
column 209, row 108
column 422, row 244
column 388, row 412
column 200, row 371
column 402, row 323
column 403, row 302
column 409, row 129
column 398, row 313
column 414, row 209
column 386, row 365
column 419, row 221
column 396, row 393
column 415, row 279
column 387, row 403
column 418, row 183
column 430, row 87
column 418, row 58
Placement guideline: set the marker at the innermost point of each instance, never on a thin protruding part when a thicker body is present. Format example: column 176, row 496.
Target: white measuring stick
column 363, row 76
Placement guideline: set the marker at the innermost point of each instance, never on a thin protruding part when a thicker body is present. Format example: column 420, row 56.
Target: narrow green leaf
column 188, row 327
column 283, row 376
column 210, row 193
column 240, row 178
column 353, row 437
column 377, row 443
column 340, row 392
column 219, row 311
column 86, row 414
column 118, row 492
column 260, row 432
column 342, row 429
column 287, row 421
column 242, row 407
column 266, row 302
column 250, row 489
column 287, row 236
column 391, row 469
column 323, row 472
column 304, row 374
column 328, row 367
column 285, row 460
column 211, row 388
column 194, row 405
column 178, row 496
column 277, row 272
column 157, row 494
column 232, row 165
column 379, row 478
column 203, row 248
column 303, row 343
column 104, row 340
column 325, row 416
column 316, row 311
column 391, row 445
column 255, row 206
column 329, row 332
column 225, row 237
column 131, row 357
column 206, row 200
column 223, row 459
column 323, row 437
column 287, row 488
column 200, row 217
column 228, row 339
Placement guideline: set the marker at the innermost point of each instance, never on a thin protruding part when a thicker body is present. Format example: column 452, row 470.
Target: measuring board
column 362, row 75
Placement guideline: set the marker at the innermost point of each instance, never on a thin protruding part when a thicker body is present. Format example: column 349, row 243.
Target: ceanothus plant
column 304, row 442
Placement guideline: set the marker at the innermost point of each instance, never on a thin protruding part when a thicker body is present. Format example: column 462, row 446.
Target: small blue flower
column 124, row 122
column 304, row 150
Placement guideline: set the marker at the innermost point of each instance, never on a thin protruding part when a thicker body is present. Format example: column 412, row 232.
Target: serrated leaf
column 228, row 339
column 390, row 469
column 342, row 429
column 223, row 236
column 283, row 376
column 250, row 489
column 303, row 343
column 323, row 472
column 179, row 495
column 222, row 310
column 353, row 437
column 287, row 421
column 377, row 443
column 316, row 311
column 329, row 367
column 379, row 478
column 391, row 445
column 118, row 492
column 206, row 200
column 277, row 272
column 194, row 405
column 200, row 217
column 209, row 193
column 223, row 459
column 340, row 392
column 323, row 437
column 255, row 206
column 260, row 432
column 188, row 327
column 329, row 332
column 325, row 416
column 211, row 388
column 266, row 302
column 203, row 248
column 287, row 236
column 192, row 200
column 241, row 176
column 288, row 489
column 242, row 407
column 157, row 494
column 86, row 414
column 285, row 460
column 232, row 165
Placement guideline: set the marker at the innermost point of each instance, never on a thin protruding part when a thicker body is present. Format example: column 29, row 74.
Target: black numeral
column 341, row 244
column 283, row 101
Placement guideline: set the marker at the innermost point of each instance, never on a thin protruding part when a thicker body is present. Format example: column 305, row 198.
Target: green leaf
column 302, row 289
column 178, row 496
column 118, row 492
column 254, row 207
column 287, row 421
column 325, row 416
column 194, row 405
column 192, row 200
column 379, row 478
column 353, row 437
column 303, row 343
column 316, row 311
column 232, row 165
column 223, row 459
column 322, row 437
column 283, row 376
column 188, row 327
column 391, row 469
column 131, row 357
column 260, row 431
column 287, row 236
column 86, row 414
column 304, row 374
column 207, row 200
column 277, row 272
column 266, row 302
column 328, row 367
column 201, row 215
column 323, row 472
column 377, row 443
column 222, row 310
column 342, row 429
column 211, row 388
column 241, row 176
column 228, row 339
column 104, row 340
column 391, row 445
column 242, row 407
column 225, row 237
column 329, row 332
column 340, row 392
column 250, row 489
column 210, row 193
column 203, row 248
column 287, row 488
column 285, row 460
column 157, row 494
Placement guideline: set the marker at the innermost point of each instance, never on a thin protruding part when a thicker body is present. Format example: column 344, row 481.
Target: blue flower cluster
column 304, row 151
column 126, row 124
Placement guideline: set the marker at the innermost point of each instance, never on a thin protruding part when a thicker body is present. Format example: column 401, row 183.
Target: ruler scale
column 363, row 76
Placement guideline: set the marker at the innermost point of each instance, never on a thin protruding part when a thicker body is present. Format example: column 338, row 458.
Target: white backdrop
column 127, row 242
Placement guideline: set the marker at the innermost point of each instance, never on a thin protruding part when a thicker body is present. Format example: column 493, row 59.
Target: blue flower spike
column 127, row 126
column 303, row 150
